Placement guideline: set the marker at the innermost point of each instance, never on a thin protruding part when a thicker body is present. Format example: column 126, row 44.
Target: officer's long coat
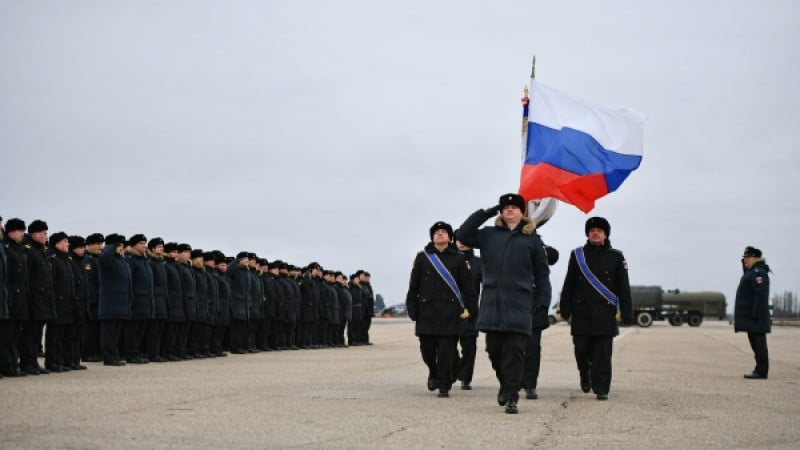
column 751, row 310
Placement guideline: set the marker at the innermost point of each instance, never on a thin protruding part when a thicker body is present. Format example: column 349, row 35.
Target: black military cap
column 155, row 242
column 512, row 199
column 598, row 222
column 95, row 238
column 15, row 225
column 170, row 247
column 197, row 253
column 57, row 237
column 313, row 265
column 437, row 226
column 252, row 256
column 229, row 259
column 209, row 256
column 114, row 239
column 135, row 239
column 242, row 255
column 366, row 274
column 183, row 248
column 262, row 262
column 752, row 251
column 76, row 241
column 37, row 226
column 219, row 257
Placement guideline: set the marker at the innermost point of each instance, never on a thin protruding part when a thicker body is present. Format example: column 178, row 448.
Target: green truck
column 653, row 303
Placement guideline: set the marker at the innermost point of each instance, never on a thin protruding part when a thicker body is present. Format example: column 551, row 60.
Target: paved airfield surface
column 673, row 387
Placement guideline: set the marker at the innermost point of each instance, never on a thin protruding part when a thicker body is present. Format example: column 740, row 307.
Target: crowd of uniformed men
column 118, row 300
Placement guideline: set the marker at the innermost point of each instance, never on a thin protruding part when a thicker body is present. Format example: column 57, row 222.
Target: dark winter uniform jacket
column 116, row 286
column 346, row 302
column 271, row 296
column 512, row 260
column 200, row 292
column 63, row 287
column 240, row 290
column 223, row 300
column 593, row 315
column 292, row 299
column 175, row 306
column 4, row 309
column 357, row 296
column 469, row 326
column 256, row 295
column 751, row 310
column 93, row 278
column 310, row 299
column 333, row 307
column 160, row 287
column 81, row 299
column 188, row 289
column 142, row 277
column 17, row 280
column 40, row 283
column 430, row 301
column 213, row 296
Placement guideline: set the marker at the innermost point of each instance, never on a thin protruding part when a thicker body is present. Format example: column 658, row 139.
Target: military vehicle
column 652, row 303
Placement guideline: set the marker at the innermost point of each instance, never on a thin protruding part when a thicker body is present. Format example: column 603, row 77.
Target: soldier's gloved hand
column 493, row 210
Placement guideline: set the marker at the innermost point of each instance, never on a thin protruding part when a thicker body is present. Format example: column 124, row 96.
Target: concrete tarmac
column 673, row 387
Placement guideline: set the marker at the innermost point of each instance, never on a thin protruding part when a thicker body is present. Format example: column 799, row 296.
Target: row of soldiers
column 118, row 300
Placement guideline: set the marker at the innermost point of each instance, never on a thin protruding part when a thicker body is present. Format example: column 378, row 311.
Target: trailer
column 652, row 303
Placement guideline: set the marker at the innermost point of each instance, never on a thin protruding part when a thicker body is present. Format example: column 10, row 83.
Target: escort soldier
column 155, row 328
column 240, row 297
column 73, row 334
column 440, row 296
column 198, row 324
column 512, row 256
column 465, row 365
column 42, row 308
column 114, row 301
column 368, row 303
column 254, row 302
column 310, row 300
column 334, row 309
column 346, row 308
column 142, row 304
column 293, row 302
column 16, row 285
column 751, row 310
column 595, row 288
column 209, row 261
column 223, row 320
column 90, row 336
column 271, row 296
column 64, row 298
column 184, row 260
column 354, row 333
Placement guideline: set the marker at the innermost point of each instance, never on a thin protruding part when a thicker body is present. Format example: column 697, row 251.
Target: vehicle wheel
column 695, row 320
column 676, row 321
column 644, row 319
column 552, row 319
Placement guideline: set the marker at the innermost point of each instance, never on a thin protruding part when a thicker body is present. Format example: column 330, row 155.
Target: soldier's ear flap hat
column 751, row 251
column 15, row 225
column 114, row 239
column 170, row 247
column 76, row 241
column 95, row 238
column 512, row 199
column 197, row 253
column 598, row 222
column 155, row 242
column 36, row 226
column 183, row 248
column 437, row 226
column 135, row 239
column 57, row 237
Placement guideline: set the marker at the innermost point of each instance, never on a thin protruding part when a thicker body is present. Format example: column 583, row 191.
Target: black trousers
column 29, row 341
column 353, row 332
column 54, row 345
column 132, row 334
column 366, row 326
column 254, row 328
column 264, row 334
column 72, row 344
column 465, row 364
column 758, row 342
column 239, row 338
column 152, row 338
column 533, row 358
column 217, row 338
column 507, row 354
column 8, row 360
column 110, row 331
column 90, row 339
column 305, row 334
column 438, row 353
column 195, row 339
column 291, row 334
column 206, row 335
column 593, row 355
column 169, row 344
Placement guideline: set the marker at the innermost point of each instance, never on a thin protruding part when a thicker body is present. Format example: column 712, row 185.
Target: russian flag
column 577, row 151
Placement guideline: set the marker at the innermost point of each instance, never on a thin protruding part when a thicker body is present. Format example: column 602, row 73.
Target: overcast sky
column 339, row 131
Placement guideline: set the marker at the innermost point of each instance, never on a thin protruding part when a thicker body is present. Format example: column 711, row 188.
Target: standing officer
column 114, row 305
column 155, row 330
column 16, row 285
column 596, row 286
column 184, row 265
column 90, row 336
column 222, row 322
column 42, row 307
column 513, row 257
column 239, row 279
column 440, row 296
column 64, row 297
column 176, row 313
column 72, row 335
column 751, row 310
column 142, row 304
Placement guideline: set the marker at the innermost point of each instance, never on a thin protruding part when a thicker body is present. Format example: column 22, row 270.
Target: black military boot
column 531, row 394
column 511, row 407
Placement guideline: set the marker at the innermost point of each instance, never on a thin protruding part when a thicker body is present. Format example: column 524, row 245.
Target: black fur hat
column 95, row 238
column 55, row 238
column 437, row 226
column 512, row 199
column 37, row 226
column 114, row 239
column 135, row 239
column 155, row 242
column 751, row 251
column 598, row 222
column 15, row 225
column 76, row 241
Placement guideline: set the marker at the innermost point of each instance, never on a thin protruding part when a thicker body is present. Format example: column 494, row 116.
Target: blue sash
column 592, row 279
column 445, row 274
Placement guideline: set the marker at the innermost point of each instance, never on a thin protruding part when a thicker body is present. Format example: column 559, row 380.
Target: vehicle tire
column 676, row 321
column 644, row 319
column 695, row 320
